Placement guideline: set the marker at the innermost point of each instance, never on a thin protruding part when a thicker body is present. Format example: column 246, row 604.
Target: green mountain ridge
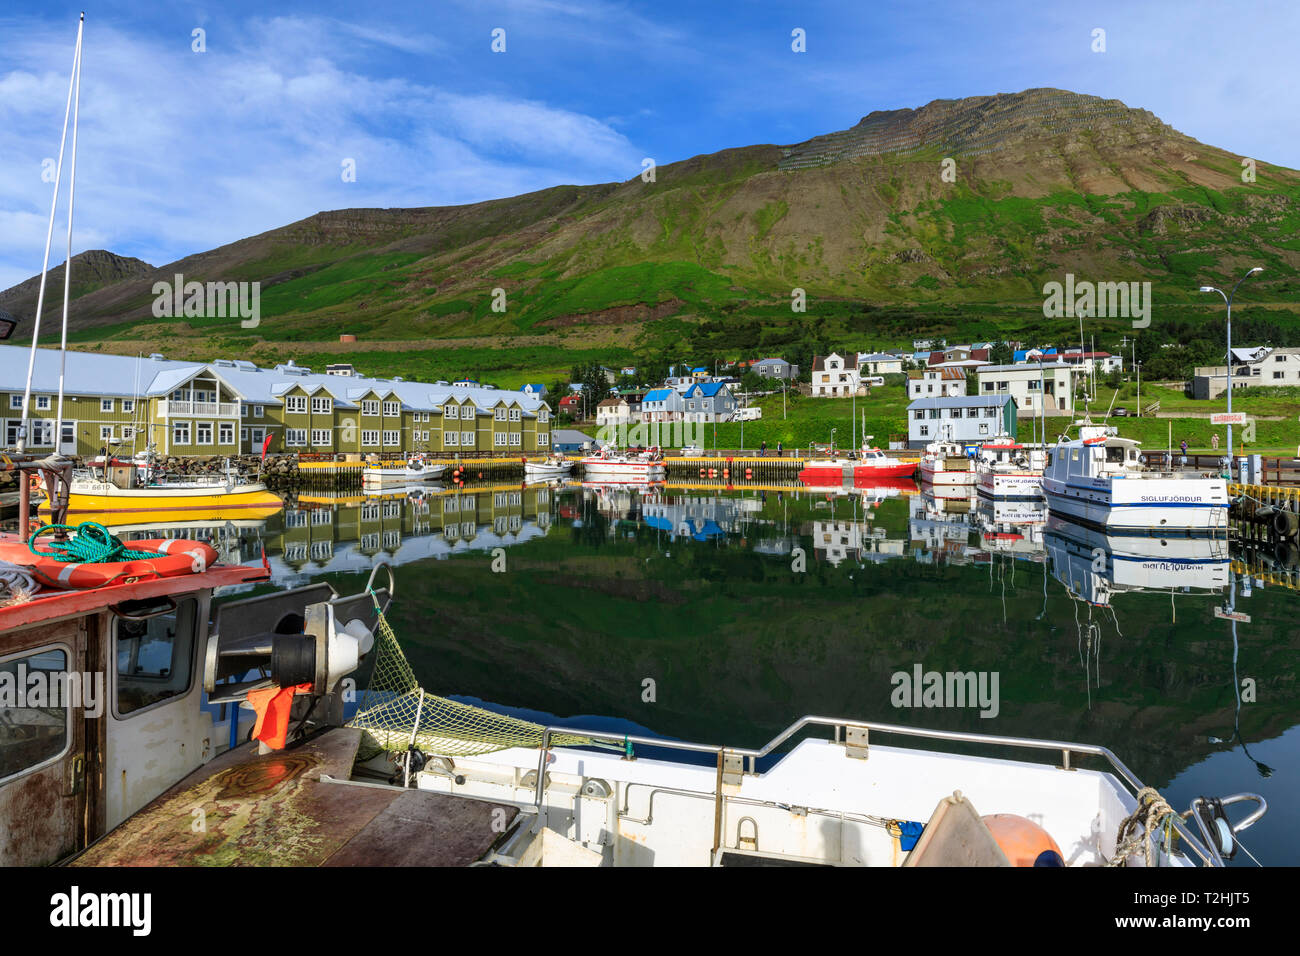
column 864, row 221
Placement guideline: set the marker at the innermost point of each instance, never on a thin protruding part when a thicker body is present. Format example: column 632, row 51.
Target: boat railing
column 1206, row 851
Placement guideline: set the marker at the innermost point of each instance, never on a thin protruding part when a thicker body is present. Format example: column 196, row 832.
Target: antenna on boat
column 67, row 263
column 74, row 85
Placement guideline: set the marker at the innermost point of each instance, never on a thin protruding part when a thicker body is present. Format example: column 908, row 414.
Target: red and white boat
column 866, row 470
column 612, row 465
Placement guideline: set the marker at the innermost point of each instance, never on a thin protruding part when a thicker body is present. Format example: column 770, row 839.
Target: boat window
column 154, row 657
column 1074, row 454
column 1115, row 454
column 37, row 731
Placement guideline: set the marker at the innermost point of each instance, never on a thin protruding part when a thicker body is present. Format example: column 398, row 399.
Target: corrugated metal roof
column 961, row 401
column 90, row 373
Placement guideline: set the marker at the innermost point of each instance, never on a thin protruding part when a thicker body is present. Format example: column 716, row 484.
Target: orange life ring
column 176, row 556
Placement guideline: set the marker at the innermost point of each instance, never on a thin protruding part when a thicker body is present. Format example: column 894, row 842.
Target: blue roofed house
column 662, row 405
column 709, row 402
column 969, row 419
column 537, row 389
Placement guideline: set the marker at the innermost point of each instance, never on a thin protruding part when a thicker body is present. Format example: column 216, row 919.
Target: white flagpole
column 49, row 238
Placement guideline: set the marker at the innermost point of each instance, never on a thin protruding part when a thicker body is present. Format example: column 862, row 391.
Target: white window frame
column 107, row 404
column 392, row 409
column 322, row 405
column 370, row 407
column 295, row 437
column 451, row 439
column 392, row 438
column 15, row 403
column 42, row 403
column 322, row 437
column 225, row 433
column 128, row 406
column 499, row 439
column 198, row 433
column 466, row 438
column 176, row 429
column 370, row 437
column 295, row 404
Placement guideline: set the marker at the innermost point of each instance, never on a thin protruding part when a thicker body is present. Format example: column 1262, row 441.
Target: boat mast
column 49, row 238
column 67, row 264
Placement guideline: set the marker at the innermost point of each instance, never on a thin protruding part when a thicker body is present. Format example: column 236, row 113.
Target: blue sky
column 183, row 151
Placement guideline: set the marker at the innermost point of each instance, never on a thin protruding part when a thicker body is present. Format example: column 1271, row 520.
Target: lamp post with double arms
column 1227, row 298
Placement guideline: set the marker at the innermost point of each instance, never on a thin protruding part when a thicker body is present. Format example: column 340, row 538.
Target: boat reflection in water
column 1011, row 526
column 1095, row 566
column 326, row 533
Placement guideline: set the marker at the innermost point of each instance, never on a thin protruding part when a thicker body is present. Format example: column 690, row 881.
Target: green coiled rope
column 91, row 544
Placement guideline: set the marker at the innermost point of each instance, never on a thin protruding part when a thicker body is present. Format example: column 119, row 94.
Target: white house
column 879, row 363
column 834, row 376
column 936, row 383
column 1050, row 390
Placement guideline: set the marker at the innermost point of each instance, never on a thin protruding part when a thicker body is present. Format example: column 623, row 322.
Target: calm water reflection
column 749, row 608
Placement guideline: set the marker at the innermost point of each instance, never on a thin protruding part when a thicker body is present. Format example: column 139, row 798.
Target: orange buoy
column 1023, row 841
column 175, row 556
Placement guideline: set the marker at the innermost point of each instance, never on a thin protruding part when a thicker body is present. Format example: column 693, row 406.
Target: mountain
column 91, row 270
column 1043, row 182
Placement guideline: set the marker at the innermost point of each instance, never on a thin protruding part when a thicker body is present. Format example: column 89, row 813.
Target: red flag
column 266, row 443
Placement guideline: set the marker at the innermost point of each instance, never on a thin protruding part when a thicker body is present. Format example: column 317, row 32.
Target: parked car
column 1120, row 412
column 692, row 451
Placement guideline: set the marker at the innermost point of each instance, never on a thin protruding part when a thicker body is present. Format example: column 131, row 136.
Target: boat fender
column 1023, row 841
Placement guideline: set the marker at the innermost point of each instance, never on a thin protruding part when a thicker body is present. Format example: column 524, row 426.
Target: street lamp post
column 1227, row 298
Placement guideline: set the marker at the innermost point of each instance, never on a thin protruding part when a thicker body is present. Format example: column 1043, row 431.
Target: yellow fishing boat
column 137, row 488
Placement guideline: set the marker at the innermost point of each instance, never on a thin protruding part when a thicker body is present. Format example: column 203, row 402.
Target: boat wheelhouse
column 1009, row 470
column 945, row 464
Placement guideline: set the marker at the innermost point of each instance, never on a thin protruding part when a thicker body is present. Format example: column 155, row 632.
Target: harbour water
column 724, row 614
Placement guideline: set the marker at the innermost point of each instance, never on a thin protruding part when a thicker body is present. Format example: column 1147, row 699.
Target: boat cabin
column 111, row 695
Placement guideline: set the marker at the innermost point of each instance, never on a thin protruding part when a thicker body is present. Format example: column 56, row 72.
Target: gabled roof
column 658, row 395
column 707, row 389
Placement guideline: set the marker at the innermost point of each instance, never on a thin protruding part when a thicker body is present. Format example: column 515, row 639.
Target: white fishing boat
column 611, row 465
column 1008, row 470
column 552, row 466
column 414, row 469
column 945, row 464
column 1098, row 480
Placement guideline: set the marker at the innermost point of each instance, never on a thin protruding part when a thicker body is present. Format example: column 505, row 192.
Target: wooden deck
column 243, row 809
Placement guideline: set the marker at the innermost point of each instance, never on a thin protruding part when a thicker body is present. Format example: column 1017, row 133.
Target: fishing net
column 395, row 713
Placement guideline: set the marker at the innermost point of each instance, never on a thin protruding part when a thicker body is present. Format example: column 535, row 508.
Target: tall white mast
column 67, row 263
column 49, row 238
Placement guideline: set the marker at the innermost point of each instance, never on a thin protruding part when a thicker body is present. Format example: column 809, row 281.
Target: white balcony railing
column 172, row 409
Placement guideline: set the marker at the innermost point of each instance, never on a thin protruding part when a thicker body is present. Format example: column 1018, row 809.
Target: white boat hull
column 401, row 476
column 1132, row 505
column 620, row 471
column 1011, row 485
column 542, row 471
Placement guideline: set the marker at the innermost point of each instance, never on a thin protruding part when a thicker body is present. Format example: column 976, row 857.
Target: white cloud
column 180, row 152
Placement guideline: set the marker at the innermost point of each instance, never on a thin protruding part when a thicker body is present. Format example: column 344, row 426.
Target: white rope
column 15, row 583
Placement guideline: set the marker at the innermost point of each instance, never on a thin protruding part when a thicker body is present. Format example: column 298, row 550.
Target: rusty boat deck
column 247, row 809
